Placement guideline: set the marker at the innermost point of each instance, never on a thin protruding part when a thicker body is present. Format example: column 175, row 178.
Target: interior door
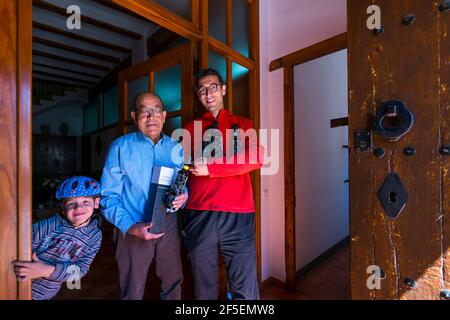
column 170, row 75
column 399, row 185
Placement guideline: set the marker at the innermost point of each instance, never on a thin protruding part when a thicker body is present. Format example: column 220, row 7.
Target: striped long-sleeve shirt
column 70, row 250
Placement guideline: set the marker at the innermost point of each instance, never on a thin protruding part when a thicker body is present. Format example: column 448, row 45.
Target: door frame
column 180, row 55
column 20, row 108
column 16, row 140
column 288, row 62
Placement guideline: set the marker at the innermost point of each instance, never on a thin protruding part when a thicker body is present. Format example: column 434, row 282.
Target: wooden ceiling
column 83, row 57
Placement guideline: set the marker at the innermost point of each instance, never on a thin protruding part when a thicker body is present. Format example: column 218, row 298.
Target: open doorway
column 316, row 169
column 80, row 106
column 78, row 79
column 321, row 177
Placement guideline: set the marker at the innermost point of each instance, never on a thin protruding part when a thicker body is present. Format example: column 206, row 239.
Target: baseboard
column 322, row 257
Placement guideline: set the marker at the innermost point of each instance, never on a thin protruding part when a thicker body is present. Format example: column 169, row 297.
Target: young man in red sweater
column 220, row 209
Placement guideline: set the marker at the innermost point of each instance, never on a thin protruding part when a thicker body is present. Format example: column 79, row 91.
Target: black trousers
column 205, row 232
column 134, row 256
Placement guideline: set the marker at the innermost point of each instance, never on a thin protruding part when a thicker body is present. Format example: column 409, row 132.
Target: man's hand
column 178, row 201
column 141, row 230
column 31, row 270
column 199, row 169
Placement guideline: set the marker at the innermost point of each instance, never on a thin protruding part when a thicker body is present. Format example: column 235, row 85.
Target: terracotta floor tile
column 329, row 280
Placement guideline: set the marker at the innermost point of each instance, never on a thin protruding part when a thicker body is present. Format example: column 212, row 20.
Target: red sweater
column 228, row 187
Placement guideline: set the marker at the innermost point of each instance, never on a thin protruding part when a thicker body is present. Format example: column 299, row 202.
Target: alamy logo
column 376, row 275
column 74, row 280
column 74, row 21
column 374, row 20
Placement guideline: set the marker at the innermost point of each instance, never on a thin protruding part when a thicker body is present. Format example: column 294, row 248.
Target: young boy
column 64, row 245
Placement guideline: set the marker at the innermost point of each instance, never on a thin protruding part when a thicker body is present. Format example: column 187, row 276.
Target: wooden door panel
column 15, row 144
column 402, row 64
column 361, row 163
column 8, row 170
column 444, row 89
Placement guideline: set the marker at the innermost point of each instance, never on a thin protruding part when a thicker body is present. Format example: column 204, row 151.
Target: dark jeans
column 207, row 231
column 134, row 256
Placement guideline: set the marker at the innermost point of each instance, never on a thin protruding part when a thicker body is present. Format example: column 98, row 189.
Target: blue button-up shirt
column 127, row 174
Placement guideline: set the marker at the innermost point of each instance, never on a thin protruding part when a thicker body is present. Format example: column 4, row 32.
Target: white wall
column 286, row 26
column 321, row 164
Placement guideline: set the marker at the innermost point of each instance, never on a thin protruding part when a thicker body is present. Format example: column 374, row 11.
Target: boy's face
column 79, row 210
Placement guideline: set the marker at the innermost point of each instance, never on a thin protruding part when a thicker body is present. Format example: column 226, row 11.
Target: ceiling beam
column 162, row 17
column 100, row 24
column 67, row 70
column 158, row 41
column 112, row 5
column 83, row 52
column 60, row 83
column 69, row 60
column 49, row 74
column 76, row 36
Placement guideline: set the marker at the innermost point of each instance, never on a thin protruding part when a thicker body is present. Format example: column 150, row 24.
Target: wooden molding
column 67, row 70
column 204, row 45
column 9, row 219
column 159, row 62
column 76, row 36
column 112, row 5
column 69, row 60
column 318, row 50
column 195, row 13
column 289, row 178
column 77, row 50
column 226, row 51
column 339, row 122
column 24, row 138
column 162, row 17
column 85, row 19
column 254, row 110
column 229, row 24
column 229, row 62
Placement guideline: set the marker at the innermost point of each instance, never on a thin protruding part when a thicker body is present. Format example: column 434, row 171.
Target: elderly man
column 126, row 183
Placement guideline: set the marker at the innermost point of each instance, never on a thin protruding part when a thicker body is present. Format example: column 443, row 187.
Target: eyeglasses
column 144, row 112
column 203, row 91
column 73, row 206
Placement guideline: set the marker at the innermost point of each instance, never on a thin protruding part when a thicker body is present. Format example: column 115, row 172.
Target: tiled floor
column 329, row 280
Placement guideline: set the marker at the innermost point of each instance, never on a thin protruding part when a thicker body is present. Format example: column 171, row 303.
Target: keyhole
column 393, row 197
column 392, row 123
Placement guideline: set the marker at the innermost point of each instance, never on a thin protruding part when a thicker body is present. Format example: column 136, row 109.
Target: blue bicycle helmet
column 78, row 187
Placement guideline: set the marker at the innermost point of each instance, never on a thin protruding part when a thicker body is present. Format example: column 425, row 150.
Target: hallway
column 327, row 281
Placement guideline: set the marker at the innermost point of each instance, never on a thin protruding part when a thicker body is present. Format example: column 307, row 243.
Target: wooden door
column 15, row 144
column 408, row 61
column 170, row 75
